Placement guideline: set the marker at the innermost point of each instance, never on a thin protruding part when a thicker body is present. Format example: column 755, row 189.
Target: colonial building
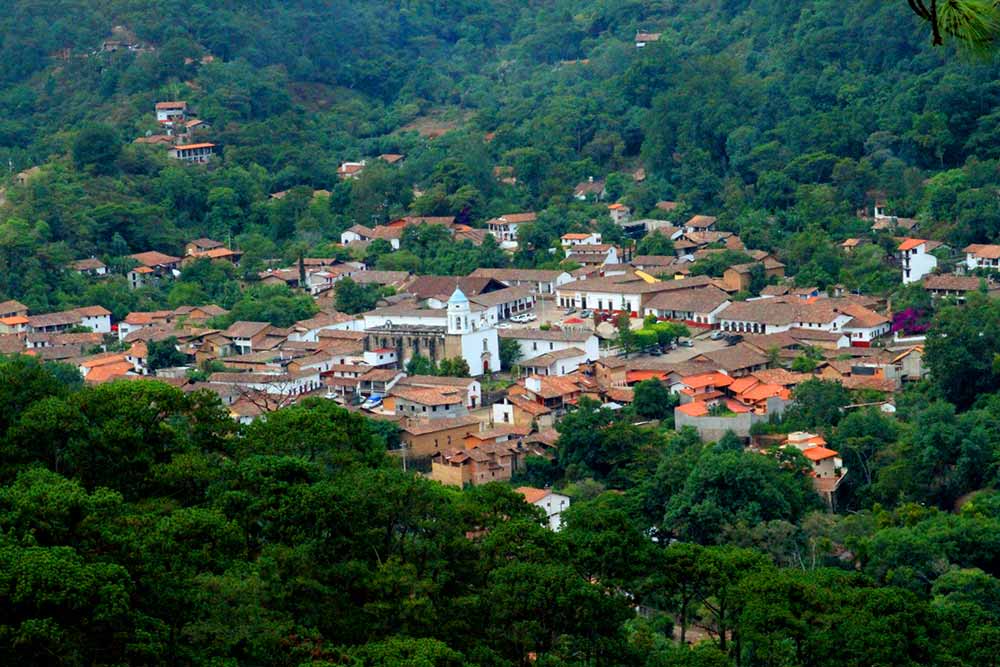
column 460, row 330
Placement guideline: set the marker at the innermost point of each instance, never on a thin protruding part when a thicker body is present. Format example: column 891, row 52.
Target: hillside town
column 477, row 371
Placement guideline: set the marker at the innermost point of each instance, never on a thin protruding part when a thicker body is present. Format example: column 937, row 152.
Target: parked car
column 520, row 319
column 685, row 343
column 717, row 335
column 529, row 317
column 571, row 311
column 586, row 313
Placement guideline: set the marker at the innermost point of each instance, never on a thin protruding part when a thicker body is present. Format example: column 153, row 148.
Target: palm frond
column 973, row 23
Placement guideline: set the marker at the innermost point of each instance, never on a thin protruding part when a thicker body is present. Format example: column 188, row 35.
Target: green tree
column 164, row 354
column 960, row 349
column 510, row 353
column 97, row 146
column 454, row 367
column 352, row 298
column 653, row 400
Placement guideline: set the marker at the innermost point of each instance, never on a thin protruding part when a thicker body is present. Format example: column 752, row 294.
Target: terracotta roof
column 12, row 307
column 153, row 258
column 436, row 381
column 108, row 372
column 736, row 358
column 559, row 335
column 760, row 392
column 524, row 402
column 984, row 251
column 781, row 377
column 425, row 287
column 65, row 318
column 863, row 318
column 701, row 221
column 92, row 311
column 425, row 426
column 87, row 264
column 633, row 285
column 205, row 243
column 217, row 253
column 742, row 384
column 162, row 106
column 474, row 236
column 531, row 494
column 548, row 358
column 695, row 409
column 701, row 300
column 427, row 395
column 576, row 237
column 11, row 344
column 552, row 387
column 952, row 283
column 516, row 218
column 193, row 146
column 380, row 277
column 501, row 296
column 819, row 453
column 245, row 329
column 910, row 244
column 380, row 375
column 143, row 318
column 589, row 187
column 707, row 380
column 531, row 275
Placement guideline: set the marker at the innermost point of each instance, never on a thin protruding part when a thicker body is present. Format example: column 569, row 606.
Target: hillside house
column 982, row 256
column 429, row 402
column 642, row 39
column 152, row 266
column 504, row 229
column 620, row 213
column 89, row 267
column 535, row 342
column 470, row 389
column 553, row 504
column 423, row 438
column 915, row 259
column 471, row 467
column 590, row 190
column 590, row 238
column 196, row 153
column 351, row 170
column 171, row 112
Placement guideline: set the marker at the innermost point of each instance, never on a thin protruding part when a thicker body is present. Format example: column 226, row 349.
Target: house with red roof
column 915, row 258
column 549, row 501
column 828, row 469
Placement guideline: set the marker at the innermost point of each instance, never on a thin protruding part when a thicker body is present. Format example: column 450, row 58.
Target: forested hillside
column 778, row 116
